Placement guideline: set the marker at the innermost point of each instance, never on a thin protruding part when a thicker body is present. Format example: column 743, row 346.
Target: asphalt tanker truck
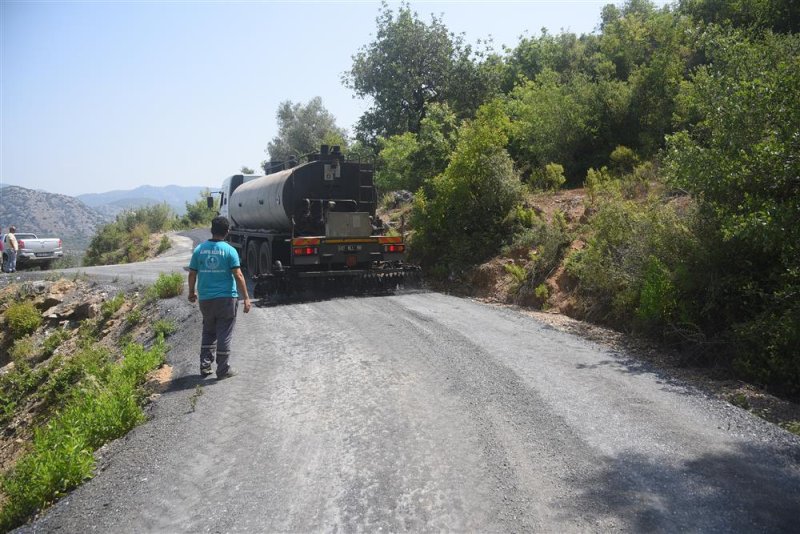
column 311, row 226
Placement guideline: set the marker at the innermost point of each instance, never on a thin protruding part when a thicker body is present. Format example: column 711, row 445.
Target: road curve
column 423, row 412
column 173, row 260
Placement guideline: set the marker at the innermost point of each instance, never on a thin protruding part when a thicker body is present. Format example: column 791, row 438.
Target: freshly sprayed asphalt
column 424, row 412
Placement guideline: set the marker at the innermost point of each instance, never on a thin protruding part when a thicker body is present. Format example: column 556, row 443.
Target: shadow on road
column 190, row 382
column 751, row 489
column 628, row 364
column 332, row 294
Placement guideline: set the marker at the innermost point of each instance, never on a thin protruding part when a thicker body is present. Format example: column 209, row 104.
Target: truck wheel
column 265, row 258
column 252, row 257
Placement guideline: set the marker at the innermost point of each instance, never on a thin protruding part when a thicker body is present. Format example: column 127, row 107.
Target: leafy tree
column 778, row 15
column 626, row 36
column 360, row 152
column 565, row 53
column 550, row 123
column 302, row 129
column 464, row 218
column 246, row 170
column 396, row 169
column 436, row 141
column 409, row 65
column 408, row 160
column 198, row 213
column 656, row 83
column 741, row 160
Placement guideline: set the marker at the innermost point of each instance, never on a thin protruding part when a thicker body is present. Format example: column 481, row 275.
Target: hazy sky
column 98, row 96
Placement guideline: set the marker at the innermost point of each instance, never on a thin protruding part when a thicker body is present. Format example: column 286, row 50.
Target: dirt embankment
column 72, row 313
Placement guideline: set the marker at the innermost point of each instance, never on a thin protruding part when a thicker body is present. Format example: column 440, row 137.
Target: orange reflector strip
column 349, row 241
column 390, row 239
column 303, row 241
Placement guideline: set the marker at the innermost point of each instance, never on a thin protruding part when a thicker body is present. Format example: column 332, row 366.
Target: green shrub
column 551, row 177
column 164, row 245
column 22, row 319
column 63, row 373
column 62, row 455
column 167, row 286
column 134, row 317
column 657, row 295
column 112, row 306
column 598, row 183
column 544, row 245
column 23, row 349
column 521, row 217
column 517, row 272
column 163, row 328
column 740, row 400
column 54, row 340
column 17, row 385
column 87, row 330
column 623, row 160
column 137, row 247
column 632, row 271
column 542, row 293
column 792, row 426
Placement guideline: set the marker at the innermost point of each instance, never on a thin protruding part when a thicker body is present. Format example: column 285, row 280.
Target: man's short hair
column 220, row 226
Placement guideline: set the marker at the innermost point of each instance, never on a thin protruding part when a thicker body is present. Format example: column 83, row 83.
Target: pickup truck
column 35, row 251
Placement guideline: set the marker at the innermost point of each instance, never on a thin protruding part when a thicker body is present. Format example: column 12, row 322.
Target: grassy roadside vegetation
column 71, row 388
column 130, row 237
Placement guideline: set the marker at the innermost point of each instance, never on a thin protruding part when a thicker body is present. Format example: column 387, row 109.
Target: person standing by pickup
column 215, row 268
column 10, row 248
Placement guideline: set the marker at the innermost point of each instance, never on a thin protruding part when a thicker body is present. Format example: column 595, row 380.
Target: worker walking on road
column 215, row 269
column 10, row 248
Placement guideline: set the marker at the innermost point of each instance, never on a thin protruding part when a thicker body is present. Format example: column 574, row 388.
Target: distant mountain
column 112, row 209
column 49, row 215
column 114, row 202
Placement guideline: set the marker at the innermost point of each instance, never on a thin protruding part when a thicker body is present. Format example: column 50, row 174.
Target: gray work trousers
column 11, row 261
column 219, row 317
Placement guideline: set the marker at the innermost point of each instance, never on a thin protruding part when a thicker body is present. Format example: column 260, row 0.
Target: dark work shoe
column 205, row 370
column 227, row 374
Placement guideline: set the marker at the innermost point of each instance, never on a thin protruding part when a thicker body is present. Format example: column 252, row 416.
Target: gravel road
column 424, row 412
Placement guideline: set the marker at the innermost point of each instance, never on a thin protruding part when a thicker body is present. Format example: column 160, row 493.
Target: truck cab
column 229, row 184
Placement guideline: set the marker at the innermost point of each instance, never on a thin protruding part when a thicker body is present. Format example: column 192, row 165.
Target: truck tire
column 265, row 257
column 251, row 258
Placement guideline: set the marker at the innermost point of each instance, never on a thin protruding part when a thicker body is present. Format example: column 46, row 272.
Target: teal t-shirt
column 213, row 261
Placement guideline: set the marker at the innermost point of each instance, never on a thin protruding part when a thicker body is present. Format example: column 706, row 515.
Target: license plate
column 349, row 248
column 43, row 254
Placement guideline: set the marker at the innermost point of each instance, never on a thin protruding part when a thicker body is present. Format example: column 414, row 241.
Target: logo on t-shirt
column 212, row 262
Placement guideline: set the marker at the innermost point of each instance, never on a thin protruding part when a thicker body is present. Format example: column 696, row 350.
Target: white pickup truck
column 35, row 251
